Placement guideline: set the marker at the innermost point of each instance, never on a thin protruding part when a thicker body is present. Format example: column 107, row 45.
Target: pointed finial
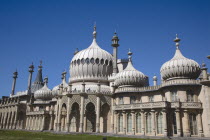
column 76, row 51
column 31, row 67
column 94, row 32
column 46, row 80
column 203, row 65
column 129, row 54
column 63, row 74
column 40, row 64
column 177, row 40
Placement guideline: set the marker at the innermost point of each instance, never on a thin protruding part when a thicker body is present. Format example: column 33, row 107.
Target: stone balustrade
column 153, row 88
column 161, row 104
column 37, row 112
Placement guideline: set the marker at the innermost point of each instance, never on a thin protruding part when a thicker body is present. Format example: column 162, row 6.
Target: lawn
column 24, row 135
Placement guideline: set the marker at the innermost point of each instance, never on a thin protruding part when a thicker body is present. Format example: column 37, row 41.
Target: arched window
column 92, row 60
column 193, row 124
column 149, row 123
column 97, row 61
column 121, row 100
column 78, row 61
column 160, row 123
column 102, row 61
column 129, row 123
column 132, row 99
column 110, row 63
column 151, row 98
column 87, row 61
column 190, row 96
column 138, row 123
column 106, row 62
column 83, row 61
column 174, row 123
column 174, row 96
column 120, row 123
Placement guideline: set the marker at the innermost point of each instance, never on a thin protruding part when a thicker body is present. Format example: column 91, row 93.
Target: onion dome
column 130, row 76
column 180, row 66
column 63, row 83
column 92, row 64
column 44, row 93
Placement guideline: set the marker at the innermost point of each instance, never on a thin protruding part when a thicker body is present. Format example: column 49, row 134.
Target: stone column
column 81, row 114
column 68, row 115
column 51, row 121
column 8, row 119
column 178, row 122
column 43, row 122
column 133, row 121
column 116, row 121
column 143, row 122
column 112, row 117
column 26, row 122
column 98, row 114
column 153, row 122
column 15, row 120
column 165, row 130
column 186, row 124
column 82, row 94
column 59, row 116
column 124, row 121
column 200, row 127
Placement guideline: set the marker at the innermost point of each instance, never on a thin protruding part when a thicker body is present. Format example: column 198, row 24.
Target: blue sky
column 49, row 30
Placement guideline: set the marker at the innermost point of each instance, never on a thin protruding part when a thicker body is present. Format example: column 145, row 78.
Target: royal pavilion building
column 105, row 94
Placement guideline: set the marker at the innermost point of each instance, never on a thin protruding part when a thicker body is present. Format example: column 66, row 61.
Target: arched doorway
column 90, row 118
column 63, row 117
column 74, row 118
column 104, row 114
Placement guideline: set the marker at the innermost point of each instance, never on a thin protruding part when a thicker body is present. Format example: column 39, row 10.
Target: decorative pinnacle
column 63, row 74
column 177, row 40
column 15, row 74
column 40, row 64
column 203, row 65
column 129, row 54
column 76, row 51
column 94, row 32
column 46, row 80
column 31, row 67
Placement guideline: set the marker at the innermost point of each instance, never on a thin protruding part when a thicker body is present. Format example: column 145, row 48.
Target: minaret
column 204, row 71
column 115, row 45
column 63, row 77
column 15, row 74
column 31, row 70
column 154, row 80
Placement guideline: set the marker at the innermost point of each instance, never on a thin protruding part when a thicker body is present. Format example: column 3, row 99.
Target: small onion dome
column 92, row 64
column 63, row 83
column 44, row 93
column 180, row 66
column 130, row 76
column 155, row 78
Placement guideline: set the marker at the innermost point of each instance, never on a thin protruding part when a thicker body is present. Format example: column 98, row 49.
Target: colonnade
column 36, row 122
column 150, row 123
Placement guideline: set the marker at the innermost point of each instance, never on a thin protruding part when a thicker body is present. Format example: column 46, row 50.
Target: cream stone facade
column 105, row 94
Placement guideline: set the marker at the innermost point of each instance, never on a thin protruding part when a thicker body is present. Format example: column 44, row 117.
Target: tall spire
column 38, row 83
column 94, row 32
column 39, row 78
column 177, row 40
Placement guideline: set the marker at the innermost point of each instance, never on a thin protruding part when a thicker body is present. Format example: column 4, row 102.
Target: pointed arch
column 90, row 117
column 74, row 117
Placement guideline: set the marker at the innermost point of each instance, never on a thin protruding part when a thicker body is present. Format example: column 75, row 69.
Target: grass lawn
column 24, row 135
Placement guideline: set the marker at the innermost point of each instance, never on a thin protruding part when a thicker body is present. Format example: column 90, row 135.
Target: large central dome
column 92, row 64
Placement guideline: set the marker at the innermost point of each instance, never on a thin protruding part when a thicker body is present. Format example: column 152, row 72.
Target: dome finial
column 94, row 32
column 40, row 64
column 46, row 80
column 129, row 54
column 177, row 40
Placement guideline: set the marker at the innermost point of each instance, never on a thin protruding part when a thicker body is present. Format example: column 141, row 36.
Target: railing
column 148, row 105
column 37, row 112
column 161, row 104
column 153, row 88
